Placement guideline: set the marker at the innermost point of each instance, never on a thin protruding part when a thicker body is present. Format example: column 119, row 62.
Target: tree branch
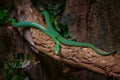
column 77, row 56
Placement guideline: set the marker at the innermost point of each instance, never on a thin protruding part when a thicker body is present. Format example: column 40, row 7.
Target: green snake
column 57, row 38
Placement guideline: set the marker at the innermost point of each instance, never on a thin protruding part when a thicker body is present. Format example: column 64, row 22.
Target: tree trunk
column 88, row 23
column 92, row 22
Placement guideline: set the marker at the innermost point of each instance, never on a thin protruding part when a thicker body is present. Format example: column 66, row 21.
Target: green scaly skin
column 57, row 38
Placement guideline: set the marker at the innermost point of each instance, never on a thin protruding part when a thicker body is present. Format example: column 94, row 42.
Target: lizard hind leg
column 57, row 46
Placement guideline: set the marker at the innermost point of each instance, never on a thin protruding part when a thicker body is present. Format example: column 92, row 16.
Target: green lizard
column 57, row 38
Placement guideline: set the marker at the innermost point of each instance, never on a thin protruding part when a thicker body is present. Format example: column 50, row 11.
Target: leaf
column 25, row 63
column 27, row 56
column 4, row 16
column 18, row 77
column 2, row 13
column 20, row 55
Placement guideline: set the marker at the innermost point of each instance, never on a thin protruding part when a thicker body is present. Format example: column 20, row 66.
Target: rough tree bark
column 77, row 56
column 92, row 23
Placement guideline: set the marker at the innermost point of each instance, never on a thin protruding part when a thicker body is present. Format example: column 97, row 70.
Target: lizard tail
column 73, row 43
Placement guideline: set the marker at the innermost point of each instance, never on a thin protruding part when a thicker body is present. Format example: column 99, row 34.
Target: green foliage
column 56, row 9
column 11, row 67
column 4, row 16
